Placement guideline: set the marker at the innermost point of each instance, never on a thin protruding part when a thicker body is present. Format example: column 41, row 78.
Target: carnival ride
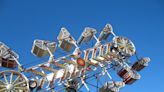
column 79, row 69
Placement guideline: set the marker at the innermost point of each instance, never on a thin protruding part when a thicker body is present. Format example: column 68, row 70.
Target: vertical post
column 86, row 54
column 107, row 48
column 94, row 52
column 101, row 50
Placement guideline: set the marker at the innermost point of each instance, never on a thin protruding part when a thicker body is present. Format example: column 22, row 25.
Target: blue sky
column 22, row 21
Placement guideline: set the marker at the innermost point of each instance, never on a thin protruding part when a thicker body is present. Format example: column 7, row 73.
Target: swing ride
column 83, row 69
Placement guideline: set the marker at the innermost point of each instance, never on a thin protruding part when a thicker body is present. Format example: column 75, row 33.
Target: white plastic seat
column 66, row 44
column 87, row 34
column 105, row 32
column 40, row 47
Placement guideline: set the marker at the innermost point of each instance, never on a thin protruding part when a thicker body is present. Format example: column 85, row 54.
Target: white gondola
column 140, row 64
column 112, row 86
column 129, row 76
column 105, row 32
column 40, row 47
column 87, row 34
column 7, row 57
column 66, row 42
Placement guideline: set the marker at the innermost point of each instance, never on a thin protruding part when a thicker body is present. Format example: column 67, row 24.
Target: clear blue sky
column 22, row 21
